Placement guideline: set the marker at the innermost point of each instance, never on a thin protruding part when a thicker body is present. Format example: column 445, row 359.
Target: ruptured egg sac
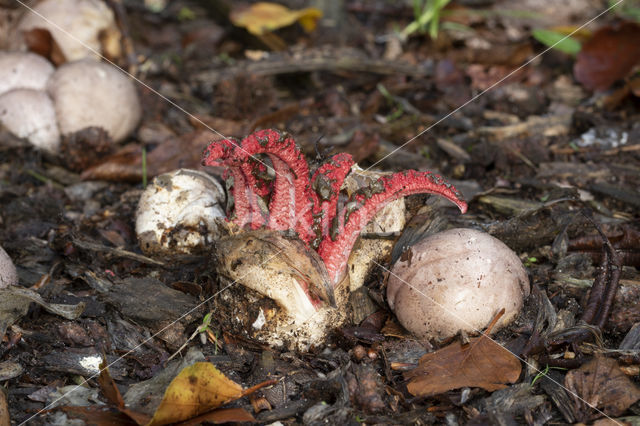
column 180, row 212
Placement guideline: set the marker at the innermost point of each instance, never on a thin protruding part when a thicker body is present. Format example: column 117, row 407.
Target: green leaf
column 557, row 41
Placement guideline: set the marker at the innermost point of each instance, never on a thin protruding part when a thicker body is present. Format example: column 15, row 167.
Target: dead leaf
column 173, row 153
column 608, row 56
column 263, row 17
column 601, row 383
column 111, row 392
column 480, row 363
column 97, row 415
column 15, row 301
column 221, row 416
column 197, row 389
column 108, row 387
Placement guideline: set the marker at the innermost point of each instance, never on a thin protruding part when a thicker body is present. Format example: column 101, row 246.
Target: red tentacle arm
column 246, row 208
column 352, row 218
column 282, row 208
column 292, row 187
column 326, row 182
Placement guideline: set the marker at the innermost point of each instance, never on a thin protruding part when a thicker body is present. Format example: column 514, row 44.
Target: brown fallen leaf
column 174, row 153
column 98, row 415
column 40, row 41
column 108, row 387
column 111, row 392
column 480, row 363
column 601, row 384
column 225, row 415
column 608, row 56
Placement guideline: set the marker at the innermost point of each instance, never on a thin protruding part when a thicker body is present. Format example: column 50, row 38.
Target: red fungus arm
column 356, row 214
column 326, row 182
column 292, row 181
column 246, row 208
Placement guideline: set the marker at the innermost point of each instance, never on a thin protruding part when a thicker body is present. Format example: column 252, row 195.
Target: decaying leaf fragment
column 601, row 384
column 609, row 55
column 15, row 301
column 480, row 363
column 263, row 17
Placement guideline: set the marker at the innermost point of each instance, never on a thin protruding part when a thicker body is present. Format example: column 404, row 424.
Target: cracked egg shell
column 180, row 212
column 283, row 293
column 8, row 273
column 456, row 280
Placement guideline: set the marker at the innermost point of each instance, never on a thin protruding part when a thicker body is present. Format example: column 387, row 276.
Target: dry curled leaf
column 480, row 363
column 608, row 56
column 601, row 384
column 263, row 17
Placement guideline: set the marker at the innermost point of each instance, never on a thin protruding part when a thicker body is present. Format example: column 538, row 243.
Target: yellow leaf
column 263, row 17
column 197, row 389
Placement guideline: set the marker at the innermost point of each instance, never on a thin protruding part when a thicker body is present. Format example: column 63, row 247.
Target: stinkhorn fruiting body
column 327, row 181
column 297, row 198
column 291, row 202
column 456, row 280
column 319, row 221
column 181, row 212
column 8, row 273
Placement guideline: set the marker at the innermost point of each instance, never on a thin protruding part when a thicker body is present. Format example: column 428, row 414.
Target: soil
column 544, row 162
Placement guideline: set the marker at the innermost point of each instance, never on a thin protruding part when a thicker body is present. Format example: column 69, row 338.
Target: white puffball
column 30, row 114
column 181, row 212
column 23, row 70
column 8, row 274
column 88, row 93
column 456, row 280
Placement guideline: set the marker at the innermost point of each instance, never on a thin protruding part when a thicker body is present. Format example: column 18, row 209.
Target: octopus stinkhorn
column 308, row 208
